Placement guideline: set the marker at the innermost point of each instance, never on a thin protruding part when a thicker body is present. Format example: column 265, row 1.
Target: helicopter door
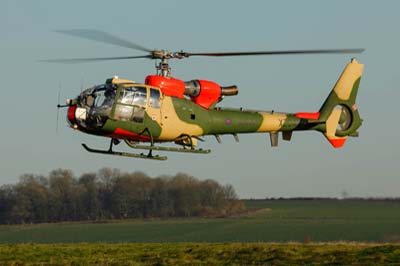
column 131, row 104
column 153, row 109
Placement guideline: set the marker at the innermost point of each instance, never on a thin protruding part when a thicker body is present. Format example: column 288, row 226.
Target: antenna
column 82, row 81
column 58, row 105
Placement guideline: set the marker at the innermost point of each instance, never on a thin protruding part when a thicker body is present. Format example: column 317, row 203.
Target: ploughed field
column 220, row 241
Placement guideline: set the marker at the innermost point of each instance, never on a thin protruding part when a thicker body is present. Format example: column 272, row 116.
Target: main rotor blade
column 94, row 59
column 320, row 51
column 101, row 36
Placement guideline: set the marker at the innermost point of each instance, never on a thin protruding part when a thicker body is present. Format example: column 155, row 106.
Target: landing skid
column 126, row 154
column 150, row 148
column 160, row 148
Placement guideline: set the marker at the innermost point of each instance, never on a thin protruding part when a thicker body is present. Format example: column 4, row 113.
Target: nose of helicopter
column 71, row 116
column 76, row 115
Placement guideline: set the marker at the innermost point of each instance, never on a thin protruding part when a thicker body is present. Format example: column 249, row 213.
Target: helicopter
column 165, row 109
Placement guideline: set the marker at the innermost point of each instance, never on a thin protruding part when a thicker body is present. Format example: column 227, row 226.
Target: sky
column 367, row 166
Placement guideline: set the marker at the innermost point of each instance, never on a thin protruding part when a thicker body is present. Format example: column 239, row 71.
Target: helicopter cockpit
column 96, row 105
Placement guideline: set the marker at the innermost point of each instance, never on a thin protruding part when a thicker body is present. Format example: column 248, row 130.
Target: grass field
column 199, row 254
column 220, row 241
column 301, row 221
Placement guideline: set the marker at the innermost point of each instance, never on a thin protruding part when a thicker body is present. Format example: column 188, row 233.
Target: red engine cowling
column 202, row 92
column 169, row 86
column 208, row 95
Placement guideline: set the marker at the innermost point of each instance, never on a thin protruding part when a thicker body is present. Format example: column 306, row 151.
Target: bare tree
column 110, row 194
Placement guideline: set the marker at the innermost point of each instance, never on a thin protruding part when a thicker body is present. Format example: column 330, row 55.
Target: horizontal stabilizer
column 308, row 115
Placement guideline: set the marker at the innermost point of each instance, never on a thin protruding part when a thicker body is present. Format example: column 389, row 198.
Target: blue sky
column 307, row 166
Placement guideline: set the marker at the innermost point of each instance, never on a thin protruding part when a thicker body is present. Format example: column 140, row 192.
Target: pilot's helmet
column 109, row 93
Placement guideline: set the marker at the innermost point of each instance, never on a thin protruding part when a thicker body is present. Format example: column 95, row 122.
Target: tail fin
column 339, row 110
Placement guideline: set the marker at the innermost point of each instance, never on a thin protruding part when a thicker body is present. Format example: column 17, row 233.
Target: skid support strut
column 150, row 148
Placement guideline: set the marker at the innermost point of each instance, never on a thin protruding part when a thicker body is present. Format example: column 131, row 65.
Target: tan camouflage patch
column 172, row 125
column 272, row 122
column 350, row 75
column 332, row 122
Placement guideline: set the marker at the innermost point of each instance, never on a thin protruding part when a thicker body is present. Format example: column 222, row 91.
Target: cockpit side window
column 140, row 97
column 154, row 98
column 131, row 105
column 133, row 96
column 126, row 96
column 103, row 97
column 123, row 112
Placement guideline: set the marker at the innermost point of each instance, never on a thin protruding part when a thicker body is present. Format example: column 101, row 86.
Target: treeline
column 112, row 194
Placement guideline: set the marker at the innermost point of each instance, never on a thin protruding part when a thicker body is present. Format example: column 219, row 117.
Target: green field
column 284, row 220
column 206, row 241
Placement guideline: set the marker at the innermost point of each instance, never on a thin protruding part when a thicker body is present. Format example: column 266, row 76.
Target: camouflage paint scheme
column 180, row 118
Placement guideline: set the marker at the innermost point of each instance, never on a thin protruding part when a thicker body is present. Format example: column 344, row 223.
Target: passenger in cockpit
column 109, row 99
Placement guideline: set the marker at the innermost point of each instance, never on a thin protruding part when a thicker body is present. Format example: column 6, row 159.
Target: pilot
column 109, row 98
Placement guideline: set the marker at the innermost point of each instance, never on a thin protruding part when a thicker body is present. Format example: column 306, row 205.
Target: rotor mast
column 163, row 68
